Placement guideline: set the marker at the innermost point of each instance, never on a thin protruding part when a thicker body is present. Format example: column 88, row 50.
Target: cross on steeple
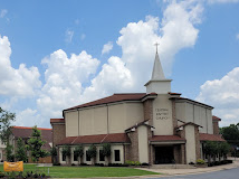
column 156, row 45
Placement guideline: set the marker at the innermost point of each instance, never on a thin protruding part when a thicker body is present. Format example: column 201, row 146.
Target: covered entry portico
column 168, row 149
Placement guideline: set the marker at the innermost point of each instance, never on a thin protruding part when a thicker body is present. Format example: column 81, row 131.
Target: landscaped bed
column 84, row 172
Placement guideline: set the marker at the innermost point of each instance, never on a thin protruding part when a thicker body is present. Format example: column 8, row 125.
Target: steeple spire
column 158, row 83
column 157, row 73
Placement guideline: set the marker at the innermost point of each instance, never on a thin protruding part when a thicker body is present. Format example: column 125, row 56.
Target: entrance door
column 164, row 155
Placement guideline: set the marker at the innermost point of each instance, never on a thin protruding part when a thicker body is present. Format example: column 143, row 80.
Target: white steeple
column 158, row 83
column 157, row 73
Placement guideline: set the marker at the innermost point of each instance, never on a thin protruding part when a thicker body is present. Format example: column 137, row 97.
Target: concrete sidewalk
column 175, row 172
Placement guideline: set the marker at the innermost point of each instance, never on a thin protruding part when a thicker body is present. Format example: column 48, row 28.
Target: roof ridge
column 25, row 127
column 87, row 103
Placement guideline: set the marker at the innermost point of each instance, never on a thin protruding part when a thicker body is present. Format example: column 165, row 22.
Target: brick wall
column 59, row 132
column 148, row 111
column 215, row 127
column 197, row 142
column 175, row 122
column 131, row 151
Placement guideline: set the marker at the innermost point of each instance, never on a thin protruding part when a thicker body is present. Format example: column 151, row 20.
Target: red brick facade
column 215, row 127
column 59, row 132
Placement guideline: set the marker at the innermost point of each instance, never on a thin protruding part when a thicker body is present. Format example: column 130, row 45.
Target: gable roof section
column 210, row 137
column 190, row 100
column 145, row 123
column 57, row 120
column 188, row 123
column 96, row 139
column 25, row 133
column 215, row 118
column 111, row 99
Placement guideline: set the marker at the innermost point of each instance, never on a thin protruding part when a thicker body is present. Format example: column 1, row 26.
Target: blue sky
column 78, row 51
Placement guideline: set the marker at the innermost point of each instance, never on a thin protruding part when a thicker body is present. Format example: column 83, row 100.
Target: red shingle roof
column 210, row 137
column 112, row 99
column 25, row 133
column 215, row 118
column 164, row 138
column 95, row 139
column 188, row 123
column 57, row 120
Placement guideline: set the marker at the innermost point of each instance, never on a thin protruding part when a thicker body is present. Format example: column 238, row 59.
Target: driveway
column 222, row 174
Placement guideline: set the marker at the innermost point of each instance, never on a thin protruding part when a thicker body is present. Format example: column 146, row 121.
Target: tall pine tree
column 35, row 144
column 21, row 151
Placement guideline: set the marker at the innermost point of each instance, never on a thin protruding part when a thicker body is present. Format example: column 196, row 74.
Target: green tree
column 5, row 131
column 53, row 153
column 208, row 150
column 92, row 152
column 231, row 134
column 106, row 151
column 35, row 144
column 5, row 121
column 66, row 151
column 21, row 151
column 9, row 152
column 79, row 152
column 224, row 149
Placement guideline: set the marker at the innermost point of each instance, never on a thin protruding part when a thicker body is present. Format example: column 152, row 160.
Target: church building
column 156, row 127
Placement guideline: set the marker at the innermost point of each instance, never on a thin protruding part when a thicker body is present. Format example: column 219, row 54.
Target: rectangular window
column 63, row 157
column 117, row 155
column 87, row 156
column 102, row 157
column 75, row 157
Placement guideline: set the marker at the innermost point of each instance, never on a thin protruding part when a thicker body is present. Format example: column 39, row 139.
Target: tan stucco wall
column 197, row 114
column 100, row 120
column 143, row 144
column 114, row 118
column 86, row 123
column 117, row 115
column 209, row 121
column 134, row 113
column 162, row 107
column 190, row 144
column 71, row 123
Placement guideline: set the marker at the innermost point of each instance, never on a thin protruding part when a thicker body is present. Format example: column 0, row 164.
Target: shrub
column 200, row 162
column 132, row 163
column 137, row 163
column 99, row 164
column 145, row 164
column 73, row 164
column 83, row 164
column 2, row 175
column 56, row 164
column 117, row 165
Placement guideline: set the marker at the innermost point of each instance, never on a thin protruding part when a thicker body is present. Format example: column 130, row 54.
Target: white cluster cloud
column 69, row 35
column 28, row 117
column 177, row 31
column 21, row 82
column 64, row 78
column 223, row 95
column 3, row 13
column 107, row 48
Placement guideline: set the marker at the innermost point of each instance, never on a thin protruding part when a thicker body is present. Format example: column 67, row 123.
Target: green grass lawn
column 86, row 172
